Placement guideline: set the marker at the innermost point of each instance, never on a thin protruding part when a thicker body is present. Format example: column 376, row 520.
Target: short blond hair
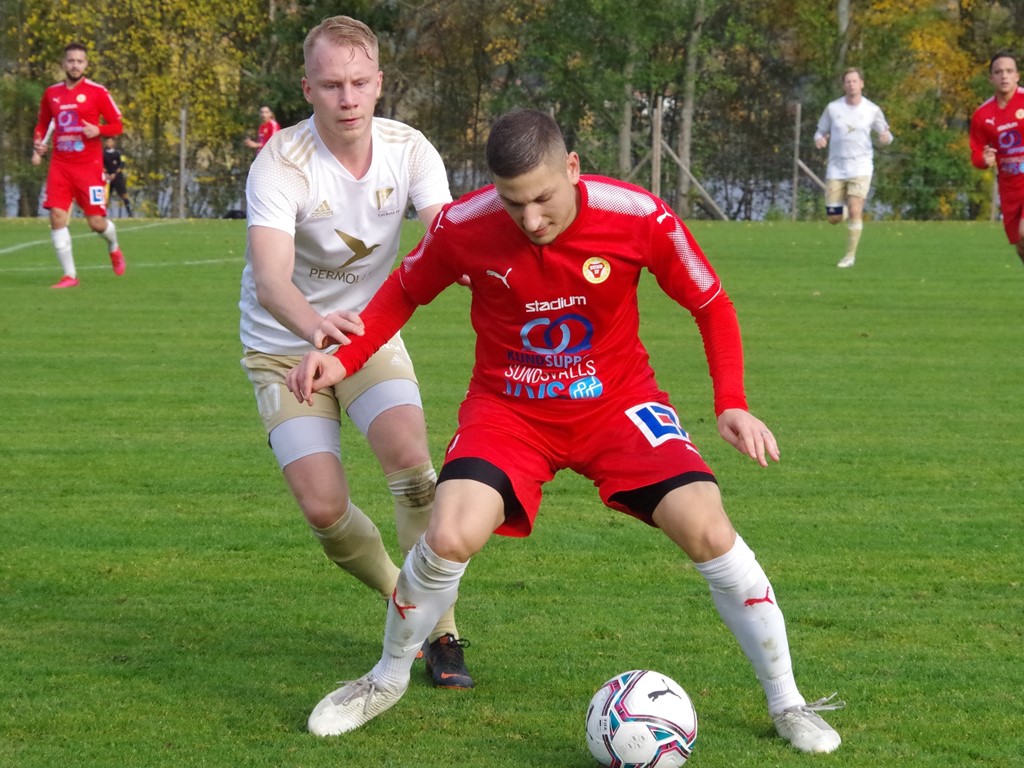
column 848, row 70
column 342, row 30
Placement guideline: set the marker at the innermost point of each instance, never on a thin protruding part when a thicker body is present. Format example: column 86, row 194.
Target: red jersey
column 266, row 130
column 558, row 323
column 1003, row 129
column 69, row 108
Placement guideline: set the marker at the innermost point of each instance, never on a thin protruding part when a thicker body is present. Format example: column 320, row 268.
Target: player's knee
column 322, row 511
column 414, row 487
column 449, row 543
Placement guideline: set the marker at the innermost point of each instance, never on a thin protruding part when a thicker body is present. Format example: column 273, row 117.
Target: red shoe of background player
column 117, row 261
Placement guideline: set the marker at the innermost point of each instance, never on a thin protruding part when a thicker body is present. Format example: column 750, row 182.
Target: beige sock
column 355, row 545
column 856, row 227
column 413, row 489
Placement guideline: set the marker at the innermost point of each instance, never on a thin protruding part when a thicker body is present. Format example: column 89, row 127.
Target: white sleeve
column 879, row 125
column 273, row 191
column 824, row 125
column 428, row 180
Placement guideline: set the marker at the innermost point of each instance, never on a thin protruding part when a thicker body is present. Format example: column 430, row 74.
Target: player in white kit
column 847, row 123
column 326, row 199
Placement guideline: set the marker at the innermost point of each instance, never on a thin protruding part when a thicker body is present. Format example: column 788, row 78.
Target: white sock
column 746, row 602
column 62, row 244
column 110, row 235
column 427, row 586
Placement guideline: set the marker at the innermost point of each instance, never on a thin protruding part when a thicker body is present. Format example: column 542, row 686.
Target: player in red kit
column 82, row 113
column 997, row 139
column 267, row 128
column 562, row 381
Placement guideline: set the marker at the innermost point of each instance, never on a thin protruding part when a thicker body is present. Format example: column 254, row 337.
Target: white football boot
column 802, row 727
column 351, row 706
column 847, row 261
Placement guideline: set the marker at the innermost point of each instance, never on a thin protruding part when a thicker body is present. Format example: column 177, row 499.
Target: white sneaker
column 351, row 706
column 804, row 729
column 846, row 261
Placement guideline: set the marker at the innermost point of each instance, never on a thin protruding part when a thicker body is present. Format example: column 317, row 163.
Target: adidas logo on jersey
column 322, row 211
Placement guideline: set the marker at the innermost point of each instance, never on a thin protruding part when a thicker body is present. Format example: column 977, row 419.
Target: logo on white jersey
column 386, row 201
column 322, row 211
column 360, row 249
column 503, row 278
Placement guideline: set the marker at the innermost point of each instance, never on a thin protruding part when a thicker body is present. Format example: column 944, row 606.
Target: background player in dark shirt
column 113, row 172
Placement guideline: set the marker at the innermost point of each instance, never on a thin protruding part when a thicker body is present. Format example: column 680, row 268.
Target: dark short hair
column 522, row 140
column 1001, row 55
column 75, row 46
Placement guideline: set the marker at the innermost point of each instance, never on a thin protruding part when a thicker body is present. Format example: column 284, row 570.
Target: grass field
column 163, row 605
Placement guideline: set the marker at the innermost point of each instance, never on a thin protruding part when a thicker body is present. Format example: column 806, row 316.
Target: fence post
column 796, row 161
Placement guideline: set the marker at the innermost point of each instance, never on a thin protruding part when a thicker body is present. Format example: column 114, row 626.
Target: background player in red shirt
column 562, row 381
column 997, row 139
column 83, row 113
column 268, row 127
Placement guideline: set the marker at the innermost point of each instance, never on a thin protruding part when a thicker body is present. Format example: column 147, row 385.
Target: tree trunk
column 685, row 140
column 843, row 15
column 626, row 125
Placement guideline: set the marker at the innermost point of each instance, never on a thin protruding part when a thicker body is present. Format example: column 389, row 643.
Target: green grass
column 162, row 603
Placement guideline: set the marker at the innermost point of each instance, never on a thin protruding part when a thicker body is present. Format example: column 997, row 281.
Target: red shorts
column 621, row 445
column 81, row 182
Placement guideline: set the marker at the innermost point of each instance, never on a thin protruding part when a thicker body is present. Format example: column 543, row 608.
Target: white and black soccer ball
column 641, row 719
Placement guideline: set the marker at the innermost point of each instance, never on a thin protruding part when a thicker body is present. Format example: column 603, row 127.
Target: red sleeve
column 977, row 142
column 720, row 331
column 383, row 317
column 112, row 115
column 43, row 121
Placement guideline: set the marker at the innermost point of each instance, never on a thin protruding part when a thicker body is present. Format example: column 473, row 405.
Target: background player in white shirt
column 326, row 199
column 848, row 122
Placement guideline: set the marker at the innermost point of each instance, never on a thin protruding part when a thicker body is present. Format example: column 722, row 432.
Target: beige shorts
column 837, row 190
column 277, row 405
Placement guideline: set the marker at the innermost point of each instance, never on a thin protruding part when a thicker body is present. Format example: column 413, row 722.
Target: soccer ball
column 641, row 719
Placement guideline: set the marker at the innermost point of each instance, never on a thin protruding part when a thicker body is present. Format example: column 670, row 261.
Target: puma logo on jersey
column 358, row 247
column 664, row 215
column 503, row 278
column 322, row 211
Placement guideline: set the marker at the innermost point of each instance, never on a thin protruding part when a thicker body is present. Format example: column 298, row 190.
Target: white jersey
column 850, row 153
column 347, row 230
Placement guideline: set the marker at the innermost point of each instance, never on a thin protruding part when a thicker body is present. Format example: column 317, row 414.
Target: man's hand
column 989, row 156
column 90, row 130
column 335, row 328
column 748, row 434
column 821, row 141
column 314, row 372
